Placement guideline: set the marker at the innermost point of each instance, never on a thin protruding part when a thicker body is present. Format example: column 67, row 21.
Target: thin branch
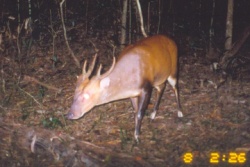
column 141, row 19
column 3, row 79
column 236, row 47
column 159, row 17
column 53, row 33
column 65, row 36
column 2, row 108
column 31, row 97
column 32, row 79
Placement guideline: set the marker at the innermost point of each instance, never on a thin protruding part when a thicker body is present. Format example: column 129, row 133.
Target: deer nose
column 70, row 115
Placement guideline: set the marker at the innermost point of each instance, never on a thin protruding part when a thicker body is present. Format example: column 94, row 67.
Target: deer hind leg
column 173, row 82
column 160, row 90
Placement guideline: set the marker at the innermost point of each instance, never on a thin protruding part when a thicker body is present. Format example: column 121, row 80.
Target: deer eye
column 86, row 96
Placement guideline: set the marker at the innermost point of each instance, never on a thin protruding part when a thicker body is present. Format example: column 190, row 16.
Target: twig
column 19, row 29
column 1, row 41
column 96, row 50
column 32, row 79
column 31, row 96
column 159, row 17
column 236, row 47
column 65, row 36
column 141, row 18
column 2, row 108
column 52, row 32
column 33, row 142
column 3, row 80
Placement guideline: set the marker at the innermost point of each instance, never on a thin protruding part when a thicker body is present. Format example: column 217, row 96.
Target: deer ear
column 104, row 82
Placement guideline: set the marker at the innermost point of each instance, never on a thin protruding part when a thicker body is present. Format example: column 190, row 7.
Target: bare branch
column 65, row 36
column 32, row 79
column 141, row 18
column 236, row 47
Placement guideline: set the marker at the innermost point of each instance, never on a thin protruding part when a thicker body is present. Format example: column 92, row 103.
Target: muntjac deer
column 140, row 67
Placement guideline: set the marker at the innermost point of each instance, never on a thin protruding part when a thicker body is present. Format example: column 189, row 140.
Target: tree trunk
column 212, row 52
column 124, row 23
column 229, row 25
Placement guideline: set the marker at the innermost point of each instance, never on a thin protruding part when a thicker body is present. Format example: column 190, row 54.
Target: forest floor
column 37, row 88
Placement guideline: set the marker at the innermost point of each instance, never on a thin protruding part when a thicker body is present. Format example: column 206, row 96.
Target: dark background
column 180, row 17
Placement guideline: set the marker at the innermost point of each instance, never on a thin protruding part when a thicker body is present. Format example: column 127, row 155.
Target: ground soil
column 37, row 87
